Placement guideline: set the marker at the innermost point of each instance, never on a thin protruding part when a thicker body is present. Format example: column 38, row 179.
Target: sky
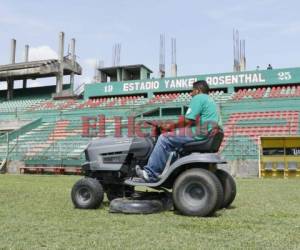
column 203, row 30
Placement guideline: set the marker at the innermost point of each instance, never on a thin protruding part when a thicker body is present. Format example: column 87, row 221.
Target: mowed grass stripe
column 36, row 212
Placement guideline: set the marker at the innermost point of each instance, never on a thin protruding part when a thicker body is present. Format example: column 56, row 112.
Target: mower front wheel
column 87, row 193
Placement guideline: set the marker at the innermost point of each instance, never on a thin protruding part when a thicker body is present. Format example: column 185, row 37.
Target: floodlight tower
column 173, row 59
column 162, row 52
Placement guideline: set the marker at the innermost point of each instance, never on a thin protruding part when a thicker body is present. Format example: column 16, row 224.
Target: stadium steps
column 34, row 138
column 55, row 143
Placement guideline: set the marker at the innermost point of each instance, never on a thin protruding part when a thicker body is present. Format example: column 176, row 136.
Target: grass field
column 36, row 213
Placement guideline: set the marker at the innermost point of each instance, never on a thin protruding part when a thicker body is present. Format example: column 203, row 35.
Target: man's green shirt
column 204, row 106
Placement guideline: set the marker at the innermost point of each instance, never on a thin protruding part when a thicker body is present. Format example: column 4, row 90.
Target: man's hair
column 201, row 85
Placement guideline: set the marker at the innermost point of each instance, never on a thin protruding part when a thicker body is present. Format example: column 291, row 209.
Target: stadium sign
column 223, row 80
column 236, row 79
column 156, row 85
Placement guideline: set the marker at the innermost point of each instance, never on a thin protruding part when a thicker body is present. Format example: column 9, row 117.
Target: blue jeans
column 164, row 146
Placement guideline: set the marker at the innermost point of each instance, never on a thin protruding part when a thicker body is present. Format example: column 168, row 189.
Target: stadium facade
column 44, row 134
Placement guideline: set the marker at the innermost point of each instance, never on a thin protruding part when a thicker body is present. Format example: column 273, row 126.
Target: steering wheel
column 152, row 123
column 156, row 126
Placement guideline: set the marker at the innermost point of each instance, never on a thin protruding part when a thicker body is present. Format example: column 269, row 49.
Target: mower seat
column 209, row 145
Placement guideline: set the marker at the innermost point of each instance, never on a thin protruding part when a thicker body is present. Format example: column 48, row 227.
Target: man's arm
column 180, row 124
column 194, row 111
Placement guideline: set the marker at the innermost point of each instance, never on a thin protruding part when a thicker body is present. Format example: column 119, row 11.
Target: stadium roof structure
column 125, row 72
column 126, row 67
column 37, row 69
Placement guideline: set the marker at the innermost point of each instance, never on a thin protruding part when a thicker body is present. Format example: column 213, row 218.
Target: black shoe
column 141, row 173
column 138, row 180
column 134, row 180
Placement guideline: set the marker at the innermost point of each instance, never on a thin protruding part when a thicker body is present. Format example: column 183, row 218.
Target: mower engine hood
column 110, row 153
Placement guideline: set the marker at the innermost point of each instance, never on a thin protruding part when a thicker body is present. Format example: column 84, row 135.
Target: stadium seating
column 21, row 103
column 251, row 125
column 101, row 102
column 269, row 92
column 115, row 101
column 51, row 141
column 54, row 142
column 218, row 96
column 42, row 103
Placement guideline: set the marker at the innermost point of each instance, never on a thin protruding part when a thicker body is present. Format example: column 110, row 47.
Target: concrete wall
column 13, row 167
column 12, row 125
column 242, row 168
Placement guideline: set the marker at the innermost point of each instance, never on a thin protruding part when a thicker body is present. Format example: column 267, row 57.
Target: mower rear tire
column 197, row 192
column 229, row 187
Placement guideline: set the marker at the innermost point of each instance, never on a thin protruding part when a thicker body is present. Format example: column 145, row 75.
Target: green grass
column 36, row 213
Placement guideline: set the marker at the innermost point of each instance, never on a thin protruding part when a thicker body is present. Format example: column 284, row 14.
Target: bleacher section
column 21, row 103
column 246, row 128
column 46, row 103
column 218, row 96
column 53, row 143
column 269, row 92
column 60, row 141
column 40, row 103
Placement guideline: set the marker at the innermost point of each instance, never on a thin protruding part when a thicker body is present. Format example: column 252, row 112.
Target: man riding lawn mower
column 184, row 162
